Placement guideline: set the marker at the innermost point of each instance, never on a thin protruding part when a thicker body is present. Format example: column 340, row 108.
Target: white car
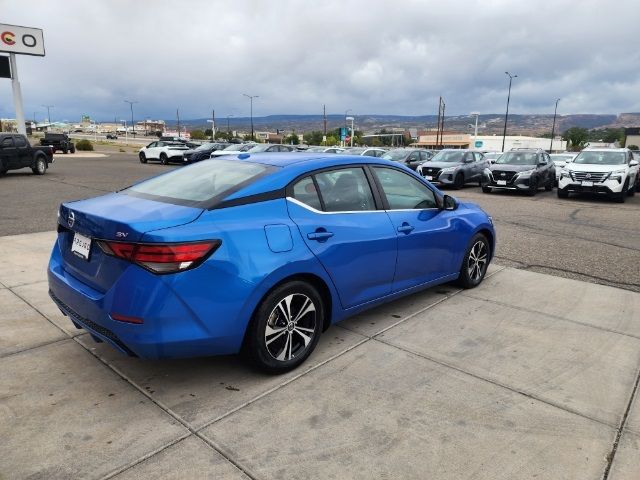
column 560, row 160
column 233, row 149
column 607, row 171
column 164, row 151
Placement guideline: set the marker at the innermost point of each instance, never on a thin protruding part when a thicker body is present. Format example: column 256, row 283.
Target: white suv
column 608, row 171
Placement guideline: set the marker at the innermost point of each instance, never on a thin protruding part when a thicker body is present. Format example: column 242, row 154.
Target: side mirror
column 449, row 203
column 633, row 163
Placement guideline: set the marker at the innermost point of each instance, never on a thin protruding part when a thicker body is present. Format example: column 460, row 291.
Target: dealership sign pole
column 25, row 41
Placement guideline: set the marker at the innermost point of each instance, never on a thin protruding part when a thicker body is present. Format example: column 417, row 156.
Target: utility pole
column 48, row 107
column 506, row 115
column 251, row 97
column 133, row 125
column 440, row 128
column 213, row 125
column 324, row 116
column 228, row 131
column 553, row 128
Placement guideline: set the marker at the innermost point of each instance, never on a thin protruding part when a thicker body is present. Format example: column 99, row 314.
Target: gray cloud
column 368, row 56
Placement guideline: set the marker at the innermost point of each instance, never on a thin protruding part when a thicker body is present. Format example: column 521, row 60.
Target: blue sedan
column 258, row 253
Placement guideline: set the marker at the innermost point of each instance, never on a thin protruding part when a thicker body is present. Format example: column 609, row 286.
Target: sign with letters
column 22, row 40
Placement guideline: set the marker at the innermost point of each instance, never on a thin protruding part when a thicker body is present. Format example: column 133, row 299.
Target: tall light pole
column 48, row 107
column 506, row 115
column 553, row 128
column 352, row 119
column 133, row 125
column 251, row 97
column 475, row 132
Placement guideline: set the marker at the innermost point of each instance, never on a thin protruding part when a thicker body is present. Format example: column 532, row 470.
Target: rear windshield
column 203, row 184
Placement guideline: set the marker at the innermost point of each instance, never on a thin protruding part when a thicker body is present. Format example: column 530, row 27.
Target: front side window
column 20, row 142
column 404, row 192
column 345, row 190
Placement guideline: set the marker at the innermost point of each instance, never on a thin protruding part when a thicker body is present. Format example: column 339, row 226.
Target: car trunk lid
column 116, row 217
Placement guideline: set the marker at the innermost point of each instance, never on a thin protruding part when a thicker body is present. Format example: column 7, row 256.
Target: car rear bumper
column 171, row 327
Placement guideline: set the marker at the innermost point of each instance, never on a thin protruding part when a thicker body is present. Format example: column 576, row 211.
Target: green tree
column 331, row 141
column 576, row 138
column 292, row 139
column 313, row 138
column 198, row 135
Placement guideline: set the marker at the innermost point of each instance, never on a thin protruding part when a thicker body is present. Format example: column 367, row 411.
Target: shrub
column 633, row 147
column 84, row 145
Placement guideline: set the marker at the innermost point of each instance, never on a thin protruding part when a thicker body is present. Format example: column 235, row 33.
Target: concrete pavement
column 526, row 376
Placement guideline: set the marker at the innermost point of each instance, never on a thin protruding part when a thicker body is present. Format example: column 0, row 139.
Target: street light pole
column 553, row 128
column 48, row 107
column 506, row 116
column 251, row 97
column 351, row 136
column 133, row 125
column 475, row 132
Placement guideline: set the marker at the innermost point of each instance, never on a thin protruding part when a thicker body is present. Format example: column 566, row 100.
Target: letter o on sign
column 29, row 40
column 8, row 38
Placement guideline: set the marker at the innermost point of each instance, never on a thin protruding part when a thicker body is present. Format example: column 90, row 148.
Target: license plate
column 587, row 184
column 501, row 182
column 81, row 246
column 428, row 177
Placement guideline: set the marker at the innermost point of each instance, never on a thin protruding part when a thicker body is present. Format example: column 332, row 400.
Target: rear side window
column 305, row 191
column 20, row 142
column 202, row 184
column 7, row 142
column 345, row 190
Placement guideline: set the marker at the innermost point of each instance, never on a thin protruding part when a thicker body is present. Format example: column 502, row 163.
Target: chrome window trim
column 311, row 209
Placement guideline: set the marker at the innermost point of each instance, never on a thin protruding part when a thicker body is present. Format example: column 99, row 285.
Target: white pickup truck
column 606, row 171
column 164, row 151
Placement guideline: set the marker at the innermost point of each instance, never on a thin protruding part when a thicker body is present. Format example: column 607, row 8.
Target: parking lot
column 585, row 238
column 530, row 375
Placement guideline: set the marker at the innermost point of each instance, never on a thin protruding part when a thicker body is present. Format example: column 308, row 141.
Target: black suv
column 521, row 169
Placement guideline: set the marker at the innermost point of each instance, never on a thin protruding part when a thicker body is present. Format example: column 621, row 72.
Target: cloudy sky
column 370, row 56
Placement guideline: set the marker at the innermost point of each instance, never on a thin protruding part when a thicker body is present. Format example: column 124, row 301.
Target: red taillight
column 161, row 258
column 127, row 319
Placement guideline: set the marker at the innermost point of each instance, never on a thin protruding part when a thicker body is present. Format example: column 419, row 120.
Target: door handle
column 406, row 228
column 320, row 236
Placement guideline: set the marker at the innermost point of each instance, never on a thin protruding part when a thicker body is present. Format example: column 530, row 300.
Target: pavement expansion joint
column 614, row 449
column 549, row 315
column 493, row 382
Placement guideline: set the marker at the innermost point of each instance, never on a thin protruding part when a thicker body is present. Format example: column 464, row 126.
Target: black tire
column 288, row 345
column 40, row 166
column 631, row 191
column 65, row 151
column 562, row 193
column 533, row 187
column 3, row 170
column 473, row 271
column 73, row 150
column 142, row 157
column 458, row 182
column 164, row 160
column 486, row 190
column 622, row 196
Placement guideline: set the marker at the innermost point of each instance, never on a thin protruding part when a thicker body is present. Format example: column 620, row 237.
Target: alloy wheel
column 290, row 327
column 477, row 262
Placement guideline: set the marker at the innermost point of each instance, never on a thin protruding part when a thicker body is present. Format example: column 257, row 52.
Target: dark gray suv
column 454, row 167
